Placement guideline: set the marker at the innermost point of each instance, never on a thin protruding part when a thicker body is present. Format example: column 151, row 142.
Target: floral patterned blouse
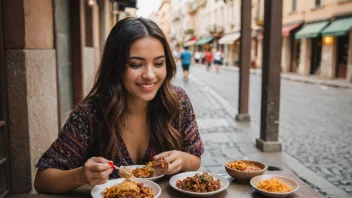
column 76, row 140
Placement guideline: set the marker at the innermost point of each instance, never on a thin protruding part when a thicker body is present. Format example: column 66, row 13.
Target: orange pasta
column 242, row 166
column 128, row 188
column 273, row 185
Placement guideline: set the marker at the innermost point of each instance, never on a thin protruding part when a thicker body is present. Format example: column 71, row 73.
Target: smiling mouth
column 146, row 85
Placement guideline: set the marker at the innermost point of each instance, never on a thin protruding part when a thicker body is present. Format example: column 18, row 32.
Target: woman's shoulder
column 86, row 108
column 181, row 94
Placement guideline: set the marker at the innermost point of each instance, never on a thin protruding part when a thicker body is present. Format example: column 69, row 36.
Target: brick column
column 31, row 85
column 305, row 57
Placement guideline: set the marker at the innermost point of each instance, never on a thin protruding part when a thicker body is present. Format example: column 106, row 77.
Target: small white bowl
column 99, row 189
column 292, row 184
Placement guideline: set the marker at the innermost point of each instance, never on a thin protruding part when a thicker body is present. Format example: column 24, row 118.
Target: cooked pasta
column 199, row 183
column 273, row 185
column 242, row 166
column 145, row 172
column 128, row 188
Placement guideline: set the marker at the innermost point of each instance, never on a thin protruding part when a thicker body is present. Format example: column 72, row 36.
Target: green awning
column 339, row 27
column 204, row 40
column 311, row 30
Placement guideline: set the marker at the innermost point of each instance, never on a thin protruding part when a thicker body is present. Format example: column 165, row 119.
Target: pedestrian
column 208, row 59
column 186, row 59
column 132, row 115
column 218, row 57
column 197, row 56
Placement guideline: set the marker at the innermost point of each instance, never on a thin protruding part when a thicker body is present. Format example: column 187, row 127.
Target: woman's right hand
column 96, row 171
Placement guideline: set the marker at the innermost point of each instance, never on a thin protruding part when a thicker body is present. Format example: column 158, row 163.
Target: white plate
column 224, row 184
column 292, row 184
column 99, row 189
column 155, row 176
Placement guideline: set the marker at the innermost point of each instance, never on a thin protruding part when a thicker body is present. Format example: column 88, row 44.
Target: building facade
column 162, row 17
column 317, row 38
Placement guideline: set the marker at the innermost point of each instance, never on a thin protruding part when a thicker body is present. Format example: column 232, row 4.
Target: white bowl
column 99, row 189
column 155, row 176
column 292, row 184
column 224, row 184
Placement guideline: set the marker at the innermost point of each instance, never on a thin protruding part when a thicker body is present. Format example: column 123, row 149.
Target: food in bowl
column 243, row 166
column 273, row 185
column 199, row 183
column 128, row 188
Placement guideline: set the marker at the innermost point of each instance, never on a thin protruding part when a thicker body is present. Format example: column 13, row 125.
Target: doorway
column 342, row 54
column 316, row 55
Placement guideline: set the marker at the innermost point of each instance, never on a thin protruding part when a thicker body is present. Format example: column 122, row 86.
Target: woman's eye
column 159, row 64
column 134, row 65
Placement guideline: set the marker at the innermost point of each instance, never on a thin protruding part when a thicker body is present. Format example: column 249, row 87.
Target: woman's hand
column 96, row 171
column 175, row 160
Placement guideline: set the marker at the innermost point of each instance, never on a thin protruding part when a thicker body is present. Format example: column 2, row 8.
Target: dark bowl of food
column 244, row 170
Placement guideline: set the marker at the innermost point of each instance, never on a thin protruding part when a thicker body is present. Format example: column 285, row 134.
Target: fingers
column 98, row 164
column 99, row 159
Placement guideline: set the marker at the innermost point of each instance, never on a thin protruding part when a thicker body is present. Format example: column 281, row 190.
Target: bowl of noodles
column 133, row 187
column 244, row 170
column 274, row 186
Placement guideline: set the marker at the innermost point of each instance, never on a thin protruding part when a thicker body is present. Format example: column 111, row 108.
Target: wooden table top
column 235, row 189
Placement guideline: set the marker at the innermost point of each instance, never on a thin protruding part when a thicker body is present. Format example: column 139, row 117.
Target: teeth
column 146, row 86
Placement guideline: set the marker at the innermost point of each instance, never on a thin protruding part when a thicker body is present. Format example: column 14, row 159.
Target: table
column 235, row 189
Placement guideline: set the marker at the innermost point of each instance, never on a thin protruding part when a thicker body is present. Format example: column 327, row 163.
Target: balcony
column 192, row 7
column 215, row 29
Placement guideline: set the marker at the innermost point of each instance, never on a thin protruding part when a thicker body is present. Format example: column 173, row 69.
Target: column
column 270, row 103
column 286, row 54
column 260, row 52
column 245, row 55
column 305, row 57
column 328, row 60
column 349, row 59
column 31, row 85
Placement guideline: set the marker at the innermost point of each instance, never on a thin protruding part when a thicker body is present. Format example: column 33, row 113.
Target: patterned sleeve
column 191, row 140
column 71, row 149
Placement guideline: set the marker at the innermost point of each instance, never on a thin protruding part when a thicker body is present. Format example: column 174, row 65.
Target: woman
column 132, row 115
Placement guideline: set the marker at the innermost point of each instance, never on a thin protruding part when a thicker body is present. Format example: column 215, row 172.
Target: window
column 318, row 3
column 294, row 5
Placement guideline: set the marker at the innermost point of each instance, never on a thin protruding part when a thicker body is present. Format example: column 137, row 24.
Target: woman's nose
column 149, row 73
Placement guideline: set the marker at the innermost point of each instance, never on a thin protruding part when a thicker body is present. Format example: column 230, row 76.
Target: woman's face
column 146, row 69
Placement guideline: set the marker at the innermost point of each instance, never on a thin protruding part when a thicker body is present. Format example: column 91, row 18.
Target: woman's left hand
column 174, row 159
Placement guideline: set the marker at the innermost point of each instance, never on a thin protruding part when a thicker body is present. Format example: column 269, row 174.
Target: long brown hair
column 109, row 93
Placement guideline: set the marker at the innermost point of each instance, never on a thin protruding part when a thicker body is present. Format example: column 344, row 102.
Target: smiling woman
column 132, row 115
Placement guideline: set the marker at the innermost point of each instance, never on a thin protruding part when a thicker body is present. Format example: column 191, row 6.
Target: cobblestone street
column 315, row 124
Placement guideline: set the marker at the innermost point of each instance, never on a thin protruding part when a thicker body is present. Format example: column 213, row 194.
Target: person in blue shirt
column 186, row 58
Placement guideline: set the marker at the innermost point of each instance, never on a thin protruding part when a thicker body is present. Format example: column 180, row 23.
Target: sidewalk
column 340, row 83
column 226, row 140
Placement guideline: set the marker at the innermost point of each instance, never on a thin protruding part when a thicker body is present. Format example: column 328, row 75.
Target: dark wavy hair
column 109, row 93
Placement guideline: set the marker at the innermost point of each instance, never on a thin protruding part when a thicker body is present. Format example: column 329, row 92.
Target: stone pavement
column 306, row 79
column 226, row 140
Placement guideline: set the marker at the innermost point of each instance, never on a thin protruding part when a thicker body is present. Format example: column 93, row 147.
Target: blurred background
column 50, row 50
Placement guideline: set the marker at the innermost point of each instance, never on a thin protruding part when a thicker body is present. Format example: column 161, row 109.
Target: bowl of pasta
column 133, row 187
column 244, row 170
column 274, row 186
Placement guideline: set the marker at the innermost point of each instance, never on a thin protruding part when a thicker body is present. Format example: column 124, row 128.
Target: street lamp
column 91, row 2
column 328, row 40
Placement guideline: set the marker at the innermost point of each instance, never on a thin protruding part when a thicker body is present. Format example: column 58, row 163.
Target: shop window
column 294, row 5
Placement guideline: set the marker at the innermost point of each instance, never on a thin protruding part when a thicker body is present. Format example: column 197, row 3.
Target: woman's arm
column 94, row 172
column 53, row 180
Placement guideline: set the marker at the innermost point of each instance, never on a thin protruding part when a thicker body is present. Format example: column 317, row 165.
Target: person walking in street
column 132, row 115
column 186, row 59
column 208, row 59
column 197, row 57
column 218, row 57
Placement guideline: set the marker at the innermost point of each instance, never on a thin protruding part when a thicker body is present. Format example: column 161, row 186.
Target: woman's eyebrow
column 142, row 59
